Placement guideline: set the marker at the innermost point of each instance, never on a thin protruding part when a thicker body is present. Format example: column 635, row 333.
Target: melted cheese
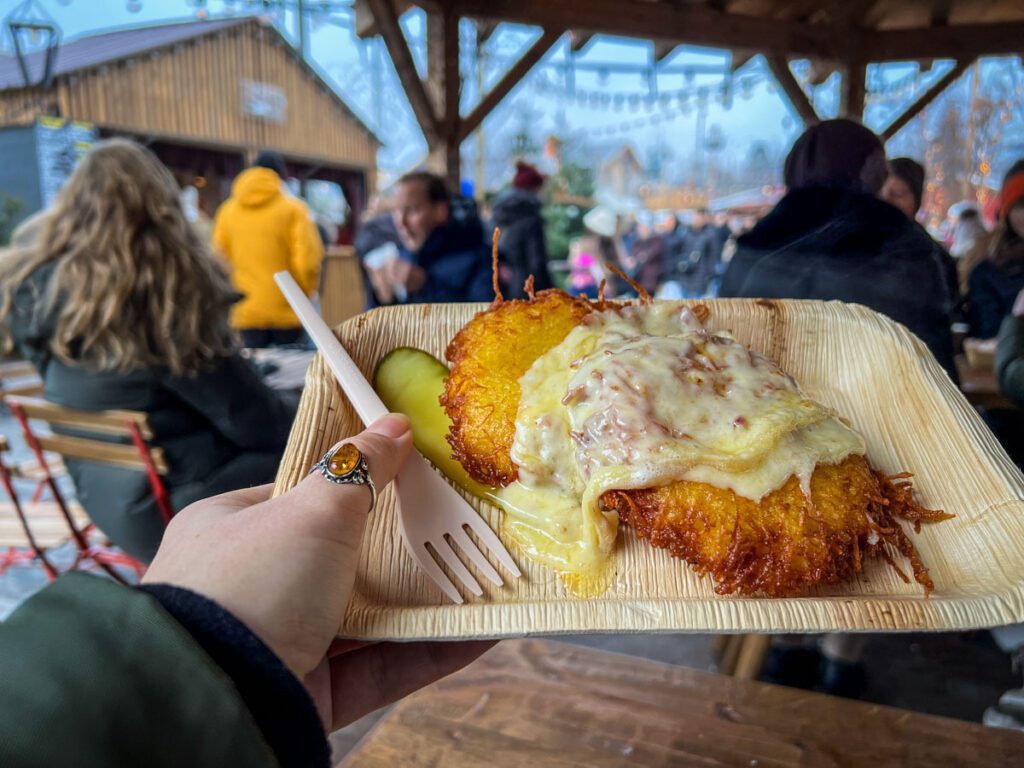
column 640, row 397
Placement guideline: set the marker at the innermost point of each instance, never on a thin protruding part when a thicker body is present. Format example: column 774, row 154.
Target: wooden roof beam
column 578, row 40
column 690, row 23
column 940, row 12
column 365, row 24
column 485, row 28
column 794, row 92
column 663, row 49
column 960, row 42
column 386, row 19
column 926, row 98
column 501, row 89
column 740, row 59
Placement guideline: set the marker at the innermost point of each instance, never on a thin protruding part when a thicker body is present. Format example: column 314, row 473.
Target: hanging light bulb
column 133, row 6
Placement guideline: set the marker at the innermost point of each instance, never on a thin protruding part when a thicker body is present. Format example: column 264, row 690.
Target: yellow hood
column 256, row 187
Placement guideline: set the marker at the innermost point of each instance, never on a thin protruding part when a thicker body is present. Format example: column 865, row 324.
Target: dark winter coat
column 827, row 244
column 692, row 258
column 990, row 296
column 517, row 213
column 1010, row 359
column 648, row 255
column 220, row 430
column 457, row 263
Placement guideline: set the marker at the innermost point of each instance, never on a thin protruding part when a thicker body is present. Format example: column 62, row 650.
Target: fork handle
column 353, row 383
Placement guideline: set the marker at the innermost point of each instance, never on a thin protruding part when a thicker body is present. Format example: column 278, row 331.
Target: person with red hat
column 517, row 213
column 995, row 281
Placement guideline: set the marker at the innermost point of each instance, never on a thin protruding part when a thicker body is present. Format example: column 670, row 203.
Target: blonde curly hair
column 134, row 286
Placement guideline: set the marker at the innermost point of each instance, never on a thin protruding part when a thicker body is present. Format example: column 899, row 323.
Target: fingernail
column 392, row 425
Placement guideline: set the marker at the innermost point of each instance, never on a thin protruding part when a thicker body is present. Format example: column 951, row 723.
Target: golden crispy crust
column 783, row 544
column 488, row 356
column 777, row 547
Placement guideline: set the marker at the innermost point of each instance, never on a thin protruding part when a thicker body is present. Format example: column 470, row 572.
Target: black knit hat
column 912, row 172
column 272, row 160
column 837, row 154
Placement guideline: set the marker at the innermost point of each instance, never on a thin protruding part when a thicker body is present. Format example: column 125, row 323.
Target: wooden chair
column 19, row 377
column 34, row 552
column 131, row 426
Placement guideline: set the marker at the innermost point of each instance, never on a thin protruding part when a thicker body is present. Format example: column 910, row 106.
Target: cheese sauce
column 643, row 396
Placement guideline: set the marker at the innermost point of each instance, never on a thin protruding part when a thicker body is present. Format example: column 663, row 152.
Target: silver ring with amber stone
column 345, row 465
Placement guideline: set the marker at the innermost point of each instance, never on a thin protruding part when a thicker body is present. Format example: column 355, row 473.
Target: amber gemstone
column 344, row 460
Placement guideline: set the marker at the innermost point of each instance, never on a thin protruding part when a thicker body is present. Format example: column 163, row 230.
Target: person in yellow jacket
column 262, row 229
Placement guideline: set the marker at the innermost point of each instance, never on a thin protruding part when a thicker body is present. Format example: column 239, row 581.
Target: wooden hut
column 205, row 97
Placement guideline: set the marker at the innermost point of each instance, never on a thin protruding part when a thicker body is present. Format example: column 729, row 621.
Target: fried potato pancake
column 488, row 356
column 784, row 543
column 778, row 546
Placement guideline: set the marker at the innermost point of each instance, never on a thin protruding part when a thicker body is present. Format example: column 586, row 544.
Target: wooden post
column 794, row 92
column 444, row 84
column 853, row 92
column 925, row 99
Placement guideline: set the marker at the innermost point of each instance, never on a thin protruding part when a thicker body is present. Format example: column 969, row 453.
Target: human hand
column 408, row 274
column 286, row 568
column 381, row 284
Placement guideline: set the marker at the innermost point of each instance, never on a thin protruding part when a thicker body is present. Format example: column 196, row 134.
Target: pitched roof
column 93, row 50
column 119, row 44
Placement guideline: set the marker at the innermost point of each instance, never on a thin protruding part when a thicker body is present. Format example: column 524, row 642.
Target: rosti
column 779, row 545
column 488, row 357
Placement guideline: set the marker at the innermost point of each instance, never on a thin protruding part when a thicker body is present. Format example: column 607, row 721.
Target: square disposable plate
column 871, row 370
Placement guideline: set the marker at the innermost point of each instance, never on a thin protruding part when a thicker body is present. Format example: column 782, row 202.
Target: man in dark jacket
column 831, row 237
column 693, row 254
column 517, row 215
column 440, row 259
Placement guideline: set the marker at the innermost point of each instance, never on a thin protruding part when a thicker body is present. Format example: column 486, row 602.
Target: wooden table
column 537, row 703
column 980, row 385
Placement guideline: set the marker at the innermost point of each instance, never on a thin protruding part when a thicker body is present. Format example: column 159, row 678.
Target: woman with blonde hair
column 119, row 304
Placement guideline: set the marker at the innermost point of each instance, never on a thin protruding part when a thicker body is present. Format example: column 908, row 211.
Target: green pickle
column 410, row 381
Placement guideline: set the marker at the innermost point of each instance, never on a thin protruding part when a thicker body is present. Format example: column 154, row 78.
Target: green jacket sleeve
column 1010, row 359
column 96, row 674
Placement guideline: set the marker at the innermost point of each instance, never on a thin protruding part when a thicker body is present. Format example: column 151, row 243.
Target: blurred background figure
column 903, row 189
column 592, row 252
column 260, row 230
column 995, row 281
column 645, row 256
column 904, row 186
column 376, row 243
column 967, row 231
column 692, row 258
column 441, row 257
column 192, row 206
column 120, row 304
column 830, row 237
column 517, row 213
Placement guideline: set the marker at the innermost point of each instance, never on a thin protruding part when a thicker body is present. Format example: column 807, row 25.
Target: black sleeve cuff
column 279, row 703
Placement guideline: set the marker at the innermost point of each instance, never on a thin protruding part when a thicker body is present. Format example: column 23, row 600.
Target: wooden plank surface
column 45, row 519
column 540, row 703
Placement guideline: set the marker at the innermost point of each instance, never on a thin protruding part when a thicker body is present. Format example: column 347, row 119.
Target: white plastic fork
column 429, row 510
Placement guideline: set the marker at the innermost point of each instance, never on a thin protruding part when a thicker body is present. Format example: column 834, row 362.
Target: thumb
column 384, row 446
